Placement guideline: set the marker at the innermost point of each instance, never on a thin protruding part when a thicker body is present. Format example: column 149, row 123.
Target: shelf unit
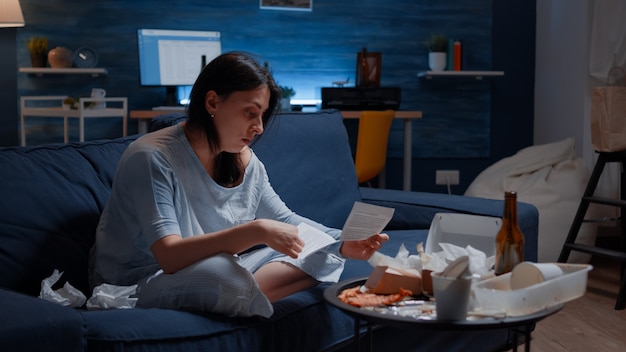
column 40, row 71
column 476, row 74
column 52, row 106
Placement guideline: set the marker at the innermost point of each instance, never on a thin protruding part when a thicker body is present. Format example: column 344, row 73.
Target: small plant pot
column 38, row 60
column 437, row 61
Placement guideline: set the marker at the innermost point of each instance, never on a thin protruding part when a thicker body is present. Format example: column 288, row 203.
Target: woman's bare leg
column 279, row 279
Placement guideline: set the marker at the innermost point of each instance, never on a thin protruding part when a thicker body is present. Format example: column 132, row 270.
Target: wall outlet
column 447, row 177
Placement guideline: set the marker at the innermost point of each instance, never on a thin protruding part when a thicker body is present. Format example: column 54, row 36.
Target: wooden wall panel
column 307, row 50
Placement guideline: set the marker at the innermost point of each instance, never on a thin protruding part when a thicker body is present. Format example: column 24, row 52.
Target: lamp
column 11, row 14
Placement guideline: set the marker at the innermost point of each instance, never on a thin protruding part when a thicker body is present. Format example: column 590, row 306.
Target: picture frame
column 289, row 5
column 368, row 67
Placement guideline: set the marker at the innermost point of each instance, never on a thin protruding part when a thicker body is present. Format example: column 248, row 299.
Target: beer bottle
column 510, row 239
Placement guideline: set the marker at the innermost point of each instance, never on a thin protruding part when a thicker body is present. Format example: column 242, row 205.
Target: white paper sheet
column 313, row 238
column 365, row 220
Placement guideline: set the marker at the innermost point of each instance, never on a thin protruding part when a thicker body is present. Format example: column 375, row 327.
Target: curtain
column 608, row 38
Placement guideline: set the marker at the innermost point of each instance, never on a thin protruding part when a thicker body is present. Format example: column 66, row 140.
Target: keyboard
column 170, row 108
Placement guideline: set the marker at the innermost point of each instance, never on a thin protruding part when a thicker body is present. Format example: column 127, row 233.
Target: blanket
column 553, row 179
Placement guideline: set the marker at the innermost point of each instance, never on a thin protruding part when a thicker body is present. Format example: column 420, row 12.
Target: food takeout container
column 495, row 296
column 459, row 230
column 387, row 280
column 463, row 230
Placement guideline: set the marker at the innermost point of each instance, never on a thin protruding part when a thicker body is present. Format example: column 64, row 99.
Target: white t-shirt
column 161, row 188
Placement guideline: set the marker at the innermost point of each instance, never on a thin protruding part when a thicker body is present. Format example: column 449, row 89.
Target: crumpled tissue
column 390, row 275
column 107, row 296
column 402, row 260
column 480, row 265
column 67, row 295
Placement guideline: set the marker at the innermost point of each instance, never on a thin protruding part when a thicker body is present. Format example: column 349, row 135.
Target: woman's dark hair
column 228, row 73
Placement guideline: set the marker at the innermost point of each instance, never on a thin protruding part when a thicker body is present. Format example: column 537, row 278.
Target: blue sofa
column 52, row 196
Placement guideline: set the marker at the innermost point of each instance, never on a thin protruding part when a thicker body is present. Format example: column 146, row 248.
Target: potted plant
column 38, row 47
column 286, row 93
column 69, row 103
column 437, row 45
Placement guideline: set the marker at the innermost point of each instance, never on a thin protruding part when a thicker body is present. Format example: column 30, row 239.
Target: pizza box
column 463, row 230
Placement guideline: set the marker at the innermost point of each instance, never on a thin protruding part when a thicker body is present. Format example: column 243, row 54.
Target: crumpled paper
column 107, row 296
column 402, row 260
column 67, row 295
column 480, row 264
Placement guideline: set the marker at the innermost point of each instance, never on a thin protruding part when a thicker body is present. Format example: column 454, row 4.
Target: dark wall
column 512, row 100
column 467, row 124
column 8, row 97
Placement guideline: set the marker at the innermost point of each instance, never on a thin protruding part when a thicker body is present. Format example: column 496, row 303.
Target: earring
column 212, row 116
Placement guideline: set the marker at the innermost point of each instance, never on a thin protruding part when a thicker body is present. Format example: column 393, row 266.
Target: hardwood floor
column 589, row 323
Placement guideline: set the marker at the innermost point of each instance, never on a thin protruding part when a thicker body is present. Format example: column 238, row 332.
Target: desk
column 52, row 106
column 144, row 116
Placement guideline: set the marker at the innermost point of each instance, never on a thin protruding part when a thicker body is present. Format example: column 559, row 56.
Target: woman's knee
column 217, row 284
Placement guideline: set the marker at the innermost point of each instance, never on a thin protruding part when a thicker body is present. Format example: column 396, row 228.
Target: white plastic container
column 495, row 296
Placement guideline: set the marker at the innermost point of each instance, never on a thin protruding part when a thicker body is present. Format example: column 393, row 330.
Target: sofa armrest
column 33, row 324
column 416, row 210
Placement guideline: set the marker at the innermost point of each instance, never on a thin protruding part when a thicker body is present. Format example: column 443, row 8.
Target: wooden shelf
column 476, row 74
column 40, row 71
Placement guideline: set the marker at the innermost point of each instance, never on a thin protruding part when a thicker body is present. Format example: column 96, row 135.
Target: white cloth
column 553, row 179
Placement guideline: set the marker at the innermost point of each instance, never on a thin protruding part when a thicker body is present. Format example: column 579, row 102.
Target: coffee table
column 519, row 325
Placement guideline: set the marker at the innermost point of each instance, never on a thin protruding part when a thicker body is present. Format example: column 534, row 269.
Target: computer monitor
column 172, row 58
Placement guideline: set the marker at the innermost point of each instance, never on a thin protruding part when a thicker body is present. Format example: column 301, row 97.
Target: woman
column 191, row 204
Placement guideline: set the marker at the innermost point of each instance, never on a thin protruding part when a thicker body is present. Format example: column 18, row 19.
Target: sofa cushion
column 52, row 196
column 162, row 329
column 32, row 324
column 165, row 120
column 314, row 173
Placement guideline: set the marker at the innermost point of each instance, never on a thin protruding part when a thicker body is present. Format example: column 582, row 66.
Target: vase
column 437, row 61
column 38, row 60
column 60, row 57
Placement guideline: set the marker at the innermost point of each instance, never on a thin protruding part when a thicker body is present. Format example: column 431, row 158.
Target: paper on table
column 365, row 220
column 313, row 238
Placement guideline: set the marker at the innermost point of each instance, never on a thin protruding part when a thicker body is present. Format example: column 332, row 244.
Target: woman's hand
column 282, row 237
column 363, row 249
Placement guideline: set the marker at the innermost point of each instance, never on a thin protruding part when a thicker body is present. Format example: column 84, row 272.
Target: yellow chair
column 371, row 143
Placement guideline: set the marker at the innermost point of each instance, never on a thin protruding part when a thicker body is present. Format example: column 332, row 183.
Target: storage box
column 463, row 230
column 495, row 295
